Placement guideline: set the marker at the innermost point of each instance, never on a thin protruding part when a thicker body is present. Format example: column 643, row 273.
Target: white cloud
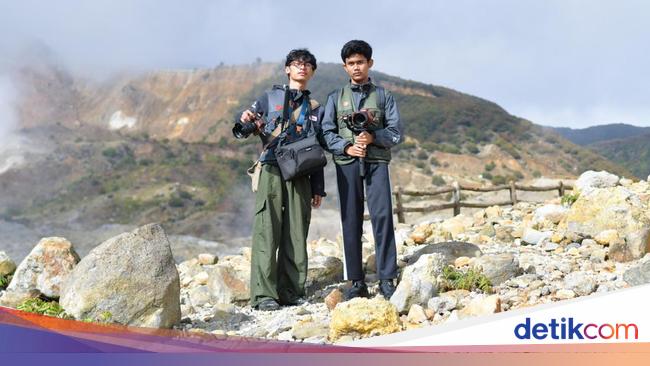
column 553, row 56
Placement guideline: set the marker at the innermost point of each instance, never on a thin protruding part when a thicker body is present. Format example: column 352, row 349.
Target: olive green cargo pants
column 279, row 253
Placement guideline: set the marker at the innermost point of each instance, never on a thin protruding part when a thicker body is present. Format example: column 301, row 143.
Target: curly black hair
column 302, row 55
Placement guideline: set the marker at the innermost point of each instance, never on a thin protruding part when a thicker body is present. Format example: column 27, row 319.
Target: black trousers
column 351, row 193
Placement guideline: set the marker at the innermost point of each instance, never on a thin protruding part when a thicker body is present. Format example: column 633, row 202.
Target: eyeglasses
column 302, row 65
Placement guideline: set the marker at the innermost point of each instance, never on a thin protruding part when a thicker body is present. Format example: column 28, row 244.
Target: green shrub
column 472, row 148
column 498, row 180
column 518, row 175
column 537, row 174
column 451, row 149
column 422, row 155
column 419, row 164
column 570, row 198
column 433, row 161
column 4, row 281
column 437, row 180
column 39, row 306
column 490, row 166
column 468, row 280
column 175, row 201
column 110, row 152
column 185, row 195
column 487, row 175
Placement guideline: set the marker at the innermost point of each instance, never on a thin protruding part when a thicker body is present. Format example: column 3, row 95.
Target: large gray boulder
column 419, row 282
column 131, row 276
column 449, row 250
column 42, row 272
column 618, row 209
column 590, row 180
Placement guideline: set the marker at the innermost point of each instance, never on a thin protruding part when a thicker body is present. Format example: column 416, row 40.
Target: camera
column 358, row 122
column 245, row 129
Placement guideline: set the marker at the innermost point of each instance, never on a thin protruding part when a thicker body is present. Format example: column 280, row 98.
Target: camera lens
column 360, row 118
column 243, row 130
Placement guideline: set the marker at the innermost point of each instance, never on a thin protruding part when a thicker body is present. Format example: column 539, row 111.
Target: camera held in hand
column 244, row 129
column 358, row 122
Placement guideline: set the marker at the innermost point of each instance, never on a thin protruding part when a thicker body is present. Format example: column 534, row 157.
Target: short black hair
column 356, row 46
column 302, row 55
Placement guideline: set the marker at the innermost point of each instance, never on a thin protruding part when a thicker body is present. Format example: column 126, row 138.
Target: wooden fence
column 456, row 203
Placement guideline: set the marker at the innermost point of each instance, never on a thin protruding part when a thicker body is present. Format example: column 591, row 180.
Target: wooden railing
column 456, row 203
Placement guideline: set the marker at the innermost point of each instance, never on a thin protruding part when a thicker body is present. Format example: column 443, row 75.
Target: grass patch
column 469, row 280
column 4, row 281
column 569, row 199
column 42, row 307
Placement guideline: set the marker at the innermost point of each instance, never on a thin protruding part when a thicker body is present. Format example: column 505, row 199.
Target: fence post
column 456, row 198
column 513, row 193
column 561, row 189
column 398, row 205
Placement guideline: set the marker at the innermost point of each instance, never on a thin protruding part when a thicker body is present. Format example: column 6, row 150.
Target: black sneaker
column 268, row 305
column 386, row 288
column 358, row 289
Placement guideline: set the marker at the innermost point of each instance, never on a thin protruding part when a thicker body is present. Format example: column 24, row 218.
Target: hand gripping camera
column 358, row 122
column 245, row 129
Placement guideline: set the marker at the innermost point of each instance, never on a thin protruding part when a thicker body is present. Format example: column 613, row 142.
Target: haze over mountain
column 624, row 144
column 157, row 147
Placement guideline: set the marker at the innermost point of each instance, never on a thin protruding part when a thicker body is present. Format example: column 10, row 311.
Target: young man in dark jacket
column 282, row 208
column 360, row 126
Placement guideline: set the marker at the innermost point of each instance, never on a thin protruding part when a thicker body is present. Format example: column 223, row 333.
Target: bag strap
column 381, row 98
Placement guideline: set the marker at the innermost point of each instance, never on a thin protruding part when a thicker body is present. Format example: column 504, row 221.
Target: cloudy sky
column 559, row 63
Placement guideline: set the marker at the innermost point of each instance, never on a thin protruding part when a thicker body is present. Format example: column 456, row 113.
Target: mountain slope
column 158, row 147
column 594, row 134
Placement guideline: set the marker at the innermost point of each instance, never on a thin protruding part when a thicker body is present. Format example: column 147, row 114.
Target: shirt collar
column 296, row 94
column 361, row 87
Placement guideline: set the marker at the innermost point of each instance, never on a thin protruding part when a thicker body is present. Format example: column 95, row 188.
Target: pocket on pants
column 260, row 206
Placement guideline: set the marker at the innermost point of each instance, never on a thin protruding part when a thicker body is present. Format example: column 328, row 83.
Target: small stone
column 201, row 278
column 462, row 261
column 442, row 303
column 573, row 251
column 581, row 283
column 607, row 237
column 481, row 306
column 7, row 266
column 334, row 297
column 534, row 237
column 430, row 313
column 207, row 259
column 416, row 314
column 498, row 267
column 550, row 246
column 573, row 245
column 565, row 294
column 308, row 329
column 493, row 213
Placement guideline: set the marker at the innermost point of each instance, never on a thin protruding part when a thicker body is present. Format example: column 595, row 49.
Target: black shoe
column 298, row 301
column 358, row 289
column 386, row 288
column 268, row 305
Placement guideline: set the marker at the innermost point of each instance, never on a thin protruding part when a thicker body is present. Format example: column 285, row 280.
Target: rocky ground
column 502, row 259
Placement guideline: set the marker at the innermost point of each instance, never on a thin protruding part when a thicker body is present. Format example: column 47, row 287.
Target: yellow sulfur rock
column 365, row 317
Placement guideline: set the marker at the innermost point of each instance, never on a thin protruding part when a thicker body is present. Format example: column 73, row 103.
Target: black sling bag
column 302, row 156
